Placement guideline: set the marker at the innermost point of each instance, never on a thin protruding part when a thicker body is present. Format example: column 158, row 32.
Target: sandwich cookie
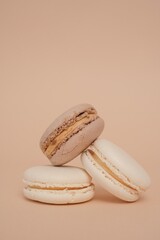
column 58, row 185
column 71, row 133
column 115, row 170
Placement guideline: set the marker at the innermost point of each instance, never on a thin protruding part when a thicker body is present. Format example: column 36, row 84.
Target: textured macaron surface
column 71, row 133
column 57, row 185
column 115, row 170
column 66, row 118
column 50, row 176
column 121, row 162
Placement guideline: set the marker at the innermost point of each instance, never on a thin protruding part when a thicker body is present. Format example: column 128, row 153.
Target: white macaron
column 58, row 185
column 115, row 170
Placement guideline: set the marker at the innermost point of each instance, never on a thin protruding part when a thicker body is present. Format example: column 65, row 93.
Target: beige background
column 55, row 54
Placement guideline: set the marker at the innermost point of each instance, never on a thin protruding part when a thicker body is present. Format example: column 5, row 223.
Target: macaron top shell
column 122, row 161
column 50, row 176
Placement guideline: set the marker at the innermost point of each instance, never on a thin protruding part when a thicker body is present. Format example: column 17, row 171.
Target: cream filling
column 98, row 160
column 58, row 188
column 66, row 132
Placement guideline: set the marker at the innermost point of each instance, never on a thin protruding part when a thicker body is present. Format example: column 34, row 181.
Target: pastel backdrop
column 54, row 55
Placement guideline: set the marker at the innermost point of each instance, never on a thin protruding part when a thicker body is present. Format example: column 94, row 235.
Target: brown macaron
column 71, row 133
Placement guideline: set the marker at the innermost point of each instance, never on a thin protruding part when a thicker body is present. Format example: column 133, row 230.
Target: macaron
column 71, row 133
column 115, row 170
column 57, row 185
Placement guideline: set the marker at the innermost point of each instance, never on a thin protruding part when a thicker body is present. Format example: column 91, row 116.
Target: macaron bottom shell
column 65, row 196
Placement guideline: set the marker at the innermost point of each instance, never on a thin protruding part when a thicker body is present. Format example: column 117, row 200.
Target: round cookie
column 71, row 133
column 57, row 185
column 115, row 170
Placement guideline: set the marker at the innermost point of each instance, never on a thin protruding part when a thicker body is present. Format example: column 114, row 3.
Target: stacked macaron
column 74, row 132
